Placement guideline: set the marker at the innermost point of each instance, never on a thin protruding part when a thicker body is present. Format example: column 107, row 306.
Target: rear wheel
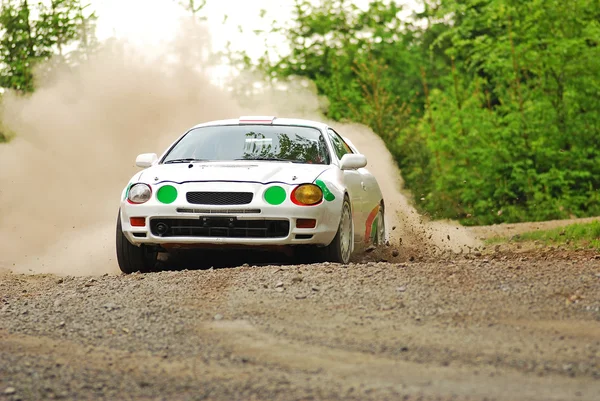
column 340, row 249
column 379, row 237
column 132, row 258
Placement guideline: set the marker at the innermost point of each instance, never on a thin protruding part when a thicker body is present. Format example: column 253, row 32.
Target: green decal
column 167, row 194
column 374, row 228
column 326, row 192
column 127, row 191
column 275, row 195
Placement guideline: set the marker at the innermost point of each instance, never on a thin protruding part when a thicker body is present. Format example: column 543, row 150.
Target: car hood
column 259, row 172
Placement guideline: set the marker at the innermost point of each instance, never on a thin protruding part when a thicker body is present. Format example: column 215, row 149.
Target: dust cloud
column 78, row 136
column 408, row 230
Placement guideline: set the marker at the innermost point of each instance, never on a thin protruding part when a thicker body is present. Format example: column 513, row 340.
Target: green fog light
column 167, row 194
column 275, row 195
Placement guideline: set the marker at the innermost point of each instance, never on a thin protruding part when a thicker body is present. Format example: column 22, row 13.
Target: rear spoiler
column 257, row 119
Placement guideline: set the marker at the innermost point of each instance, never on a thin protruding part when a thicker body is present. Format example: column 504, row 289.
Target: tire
column 340, row 249
column 132, row 258
column 379, row 237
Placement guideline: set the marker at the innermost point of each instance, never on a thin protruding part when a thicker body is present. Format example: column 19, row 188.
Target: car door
column 353, row 182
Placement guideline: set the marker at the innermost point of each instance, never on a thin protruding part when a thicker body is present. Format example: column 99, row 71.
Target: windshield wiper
column 188, row 160
column 273, row 159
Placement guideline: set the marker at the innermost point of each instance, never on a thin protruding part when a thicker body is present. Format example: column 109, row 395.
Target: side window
column 340, row 147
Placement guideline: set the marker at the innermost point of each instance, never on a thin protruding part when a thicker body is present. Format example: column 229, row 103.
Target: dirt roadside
column 508, row 230
column 503, row 326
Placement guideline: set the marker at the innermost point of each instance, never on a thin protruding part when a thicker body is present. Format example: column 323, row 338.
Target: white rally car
column 252, row 181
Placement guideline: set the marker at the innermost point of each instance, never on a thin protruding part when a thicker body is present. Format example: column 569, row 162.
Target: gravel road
column 496, row 326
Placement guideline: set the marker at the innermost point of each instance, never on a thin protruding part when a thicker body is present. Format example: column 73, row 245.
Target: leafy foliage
column 490, row 107
column 18, row 50
column 27, row 41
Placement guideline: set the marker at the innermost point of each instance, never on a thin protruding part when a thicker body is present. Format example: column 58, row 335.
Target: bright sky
column 150, row 22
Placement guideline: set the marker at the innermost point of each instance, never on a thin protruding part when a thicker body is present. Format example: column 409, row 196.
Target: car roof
column 264, row 120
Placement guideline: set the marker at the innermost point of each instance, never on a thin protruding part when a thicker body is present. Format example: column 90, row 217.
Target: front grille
column 219, row 198
column 221, row 227
column 218, row 211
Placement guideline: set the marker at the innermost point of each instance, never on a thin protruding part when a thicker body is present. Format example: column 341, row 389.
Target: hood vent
column 240, row 165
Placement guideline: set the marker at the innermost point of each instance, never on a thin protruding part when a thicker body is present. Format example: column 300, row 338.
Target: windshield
column 251, row 142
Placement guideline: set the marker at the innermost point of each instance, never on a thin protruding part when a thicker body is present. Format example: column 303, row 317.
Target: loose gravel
column 498, row 326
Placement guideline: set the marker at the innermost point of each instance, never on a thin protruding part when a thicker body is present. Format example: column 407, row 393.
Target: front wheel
column 340, row 249
column 133, row 258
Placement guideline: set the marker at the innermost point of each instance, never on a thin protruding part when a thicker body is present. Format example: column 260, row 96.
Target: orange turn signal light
column 306, row 223
column 307, row 195
column 137, row 221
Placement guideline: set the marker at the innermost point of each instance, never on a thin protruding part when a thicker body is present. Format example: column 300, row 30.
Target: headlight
column 307, row 194
column 139, row 193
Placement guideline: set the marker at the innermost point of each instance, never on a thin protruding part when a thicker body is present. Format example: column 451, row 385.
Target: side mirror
column 146, row 160
column 351, row 161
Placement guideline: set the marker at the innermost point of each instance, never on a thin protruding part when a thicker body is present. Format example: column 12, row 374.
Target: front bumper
column 253, row 224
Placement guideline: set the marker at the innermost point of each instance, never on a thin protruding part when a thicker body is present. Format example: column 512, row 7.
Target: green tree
column 490, row 107
column 536, row 61
column 87, row 42
column 27, row 41
column 20, row 46
column 58, row 24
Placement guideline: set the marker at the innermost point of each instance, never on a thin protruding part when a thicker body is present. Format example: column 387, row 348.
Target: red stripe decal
column 370, row 220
